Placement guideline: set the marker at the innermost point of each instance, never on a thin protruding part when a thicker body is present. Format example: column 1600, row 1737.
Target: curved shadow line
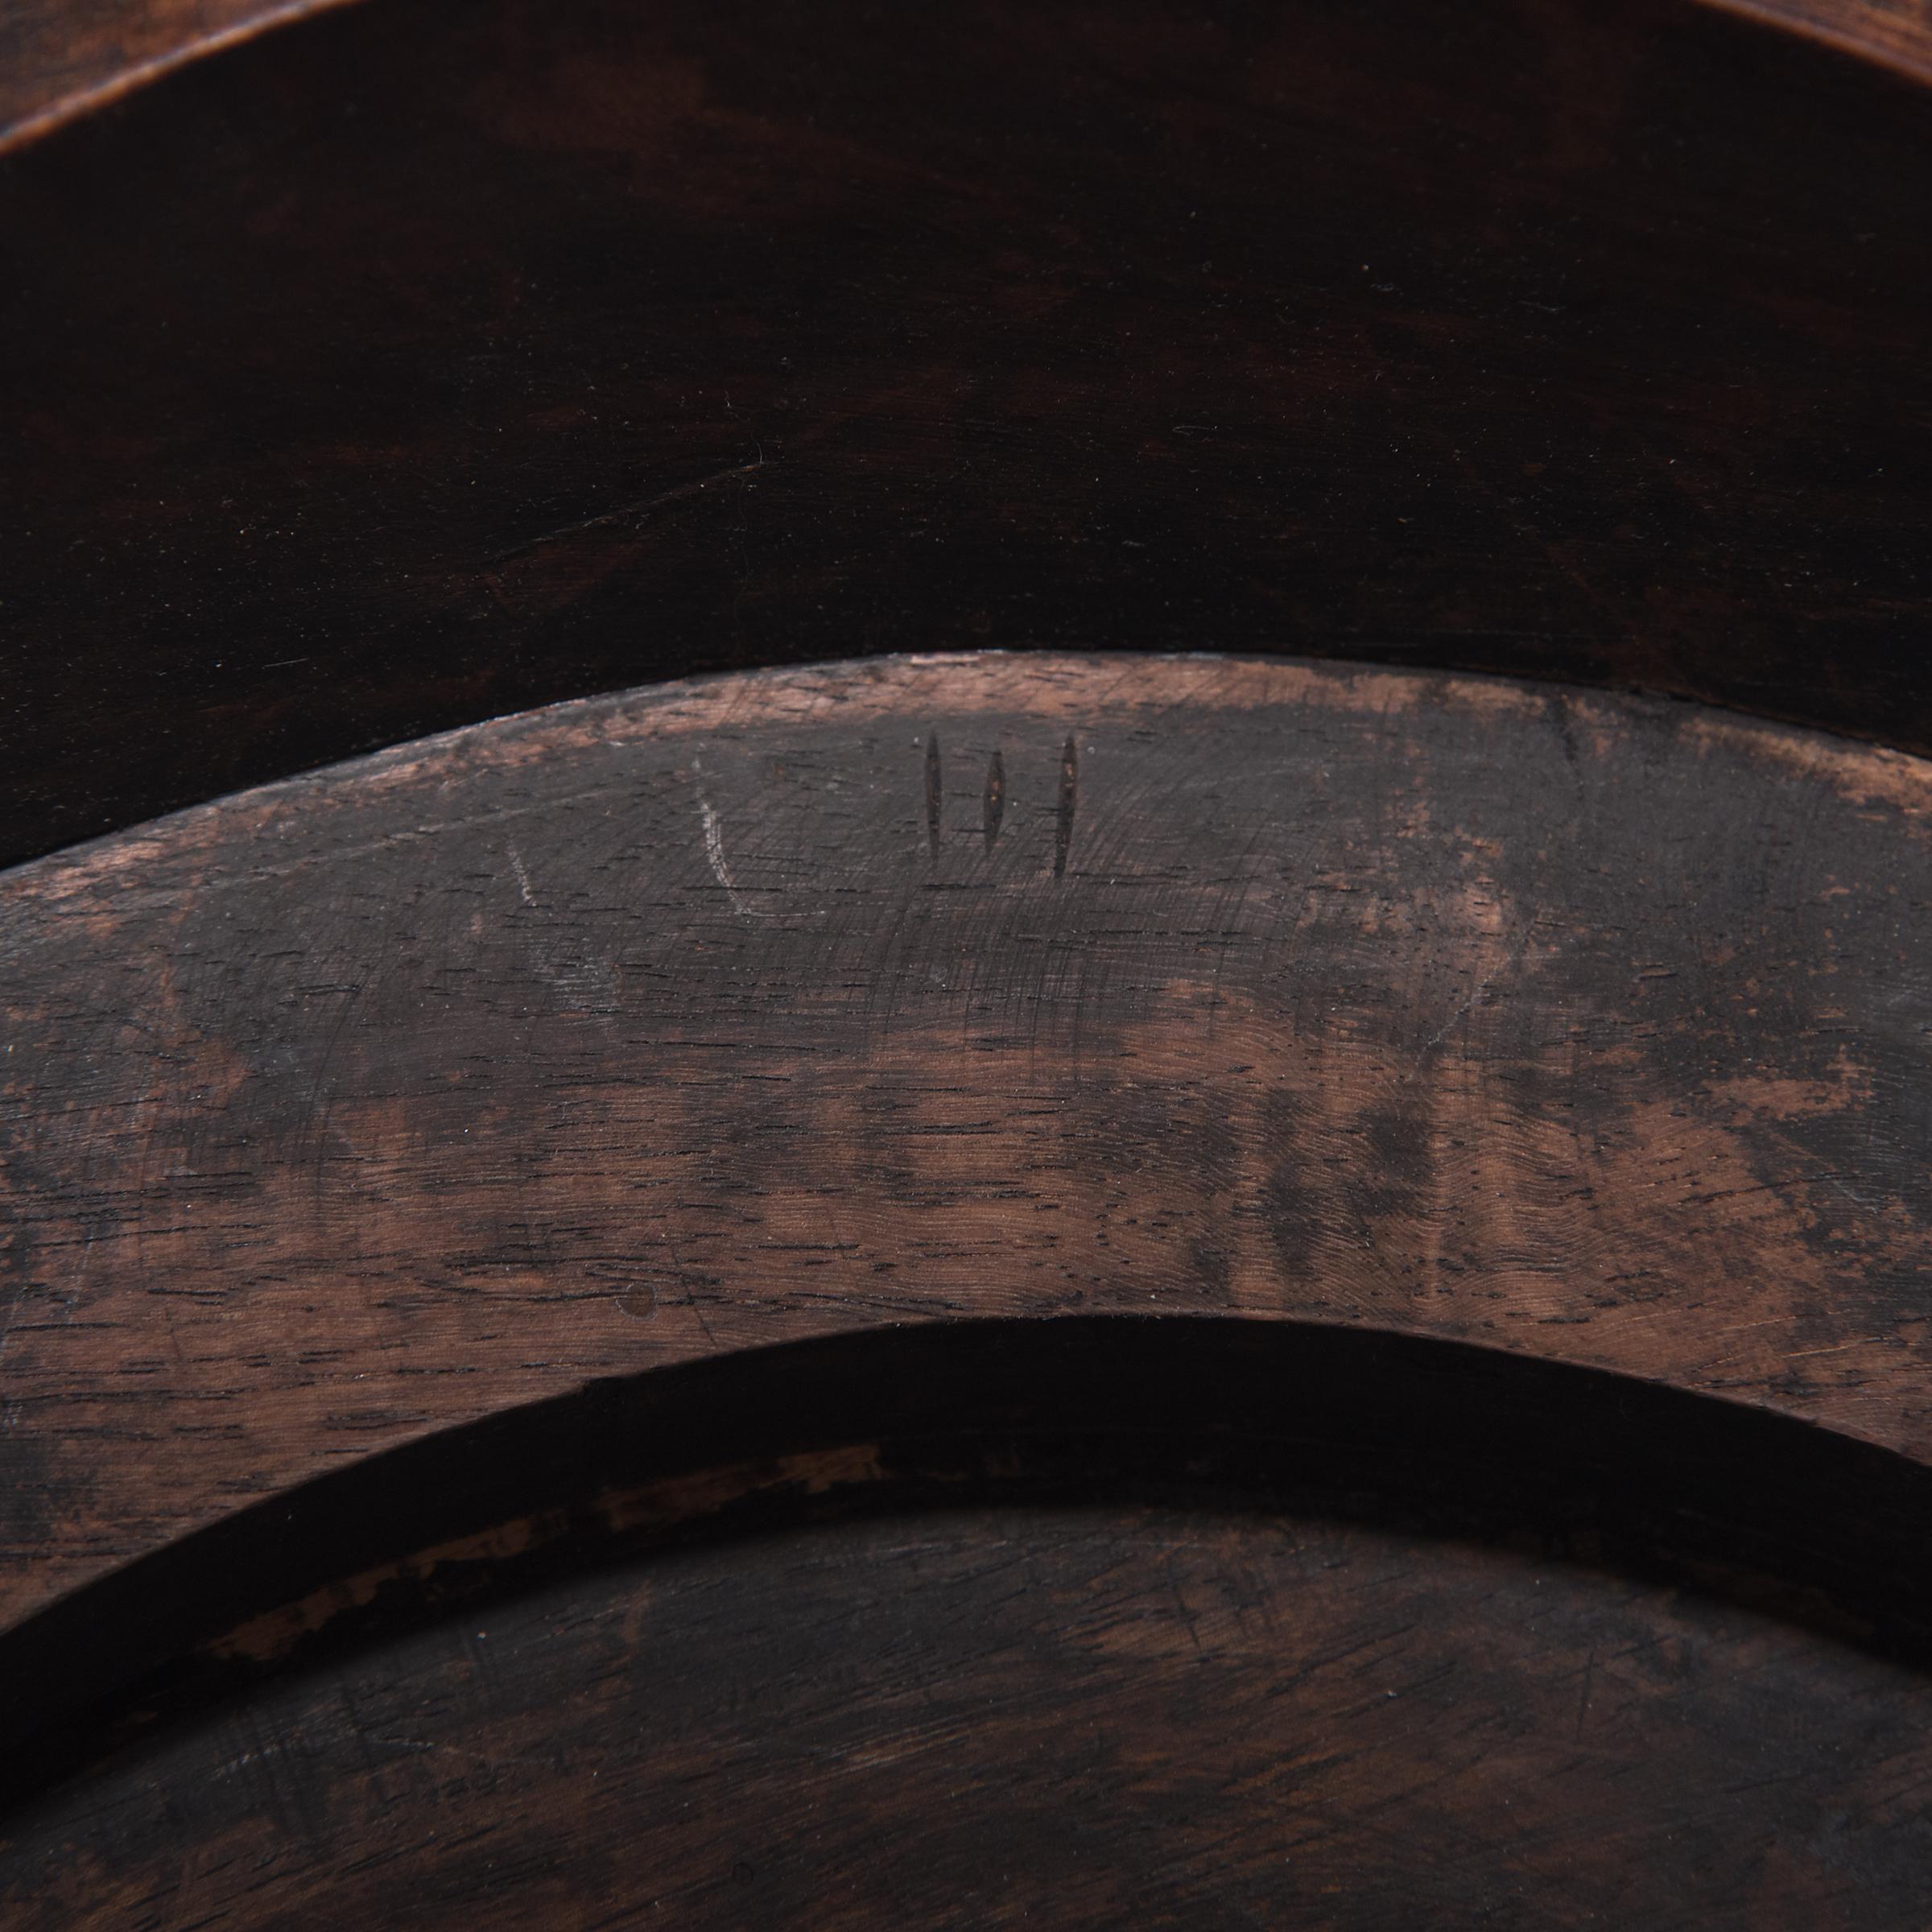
column 1455, row 1439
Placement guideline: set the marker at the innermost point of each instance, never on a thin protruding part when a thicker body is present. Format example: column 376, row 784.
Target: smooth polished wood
column 427, row 360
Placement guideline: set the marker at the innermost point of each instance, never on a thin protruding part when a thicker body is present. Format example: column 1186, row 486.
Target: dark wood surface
column 1104, row 1289
column 1126, row 1089
column 66, row 59
column 630, row 1033
column 425, row 360
column 63, row 59
column 1087, row 1716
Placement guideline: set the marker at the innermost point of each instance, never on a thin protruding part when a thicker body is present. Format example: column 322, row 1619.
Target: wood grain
column 1098, row 1715
column 1181, row 1289
column 431, row 360
column 654, row 1028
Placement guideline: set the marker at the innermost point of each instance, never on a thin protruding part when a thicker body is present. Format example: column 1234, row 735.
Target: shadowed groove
column 1633, row 1478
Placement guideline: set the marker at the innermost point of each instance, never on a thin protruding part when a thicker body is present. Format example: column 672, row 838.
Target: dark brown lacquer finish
column 426, row 359
column 1113, row 1289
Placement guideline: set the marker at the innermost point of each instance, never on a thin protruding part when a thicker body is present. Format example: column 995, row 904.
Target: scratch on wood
column 1070, row 795
column 720, row 867
column 1462, row 1012
column 642, row 507
column 516, row 865
column 714, row 852
column 993, row 805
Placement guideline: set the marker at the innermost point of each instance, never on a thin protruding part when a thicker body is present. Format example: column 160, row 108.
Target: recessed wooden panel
column 656, row 1028
column 1182, row 1618
column 1090, row 1716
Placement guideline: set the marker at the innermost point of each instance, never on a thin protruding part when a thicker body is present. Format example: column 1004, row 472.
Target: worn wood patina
column 1246, row 999
column 427, row 360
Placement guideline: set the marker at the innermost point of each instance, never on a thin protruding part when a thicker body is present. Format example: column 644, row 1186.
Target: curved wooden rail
column 1027, row 1278
column 648, row 1029
column 962, row 1289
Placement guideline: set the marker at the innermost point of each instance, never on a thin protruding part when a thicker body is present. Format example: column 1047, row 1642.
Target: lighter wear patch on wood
column 1365, row 998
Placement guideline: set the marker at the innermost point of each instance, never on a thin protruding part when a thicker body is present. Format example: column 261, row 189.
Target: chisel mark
column 1070, row 796
column 993, row 805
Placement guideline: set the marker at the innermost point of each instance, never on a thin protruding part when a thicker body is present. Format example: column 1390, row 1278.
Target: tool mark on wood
column 935, row 773
column 993, row 805
column 1070, row 795
column 517, row 866
column 1468, row 1007
column 720, row 870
